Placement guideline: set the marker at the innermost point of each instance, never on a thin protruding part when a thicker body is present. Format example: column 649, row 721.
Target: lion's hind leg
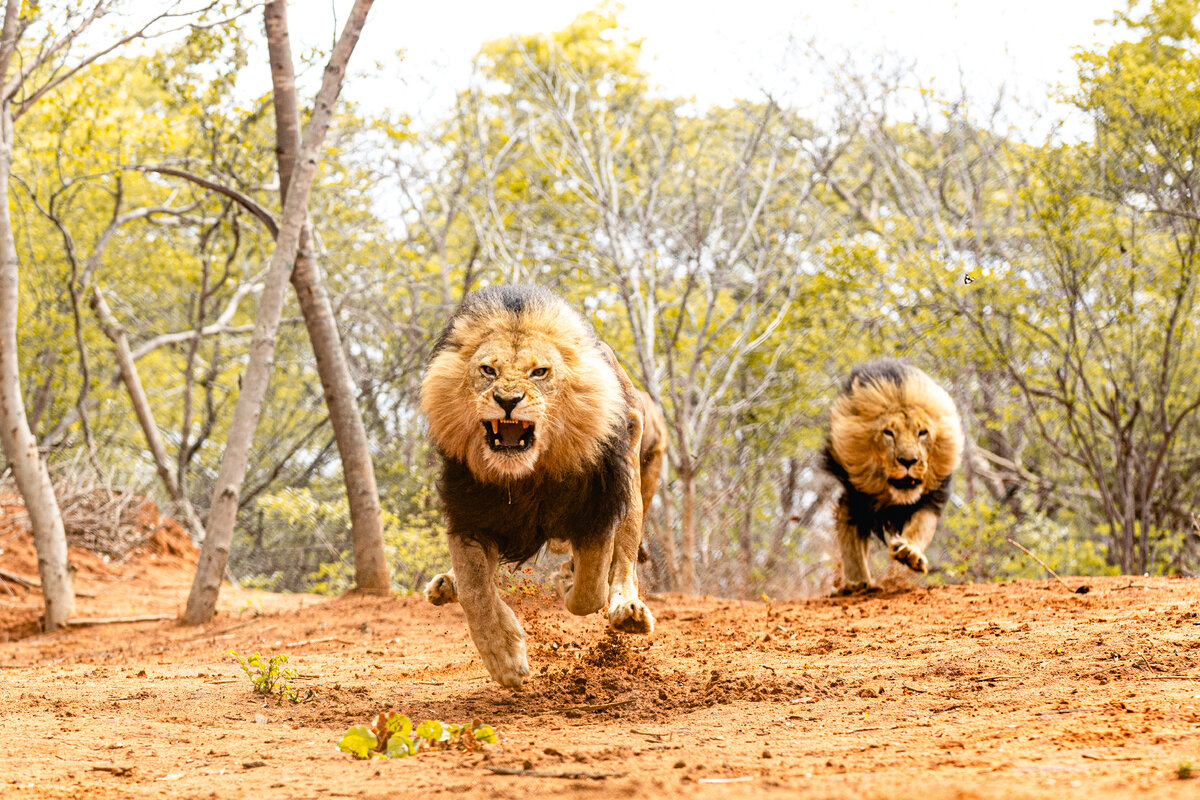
column 908, row 546
column 494, row 628
column 442, row 589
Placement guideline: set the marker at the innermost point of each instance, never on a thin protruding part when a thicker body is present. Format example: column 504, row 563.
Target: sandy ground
column 990, row 691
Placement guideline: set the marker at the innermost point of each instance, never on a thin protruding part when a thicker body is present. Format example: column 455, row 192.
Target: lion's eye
column 540, row 372
column 487, row 370
column 889, row 434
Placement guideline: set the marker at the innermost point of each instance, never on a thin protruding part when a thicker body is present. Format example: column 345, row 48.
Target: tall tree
column 370, row 563
column 20, row 448
column 206, row 587
column 47, row 63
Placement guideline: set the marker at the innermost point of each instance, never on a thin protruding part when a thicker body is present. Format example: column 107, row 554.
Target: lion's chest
column 519, row 517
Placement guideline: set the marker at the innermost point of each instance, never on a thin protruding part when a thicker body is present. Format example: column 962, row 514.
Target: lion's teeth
column 524, row 424
column 495, row 426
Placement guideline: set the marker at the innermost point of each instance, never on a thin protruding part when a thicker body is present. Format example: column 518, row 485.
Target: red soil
column 990, row 691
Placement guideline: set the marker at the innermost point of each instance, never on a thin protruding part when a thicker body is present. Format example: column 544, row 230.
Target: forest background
column 739, row 257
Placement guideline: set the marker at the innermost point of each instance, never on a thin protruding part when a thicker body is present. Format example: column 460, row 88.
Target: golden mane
column 580, row 407
column 855, row 420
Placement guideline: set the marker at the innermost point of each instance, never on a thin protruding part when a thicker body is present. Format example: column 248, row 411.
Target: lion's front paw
column 441, row 590
column 856, row 588
column 507, row 663
column 910, row 556
column 632, row 616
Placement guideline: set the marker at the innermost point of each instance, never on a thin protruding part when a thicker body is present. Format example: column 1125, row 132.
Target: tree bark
column 202, row 601
column 20, row 448
column 141, row 406
column 686, row 581
column 366, row 520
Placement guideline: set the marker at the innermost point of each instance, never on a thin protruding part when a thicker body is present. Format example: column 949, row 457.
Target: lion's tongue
column 510, row 433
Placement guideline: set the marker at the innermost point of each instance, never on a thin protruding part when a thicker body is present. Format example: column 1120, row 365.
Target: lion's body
column 894, row 440
column 539, row 433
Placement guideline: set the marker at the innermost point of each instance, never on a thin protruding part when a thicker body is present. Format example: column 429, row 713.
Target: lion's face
column 520, row 391
column 896, row 438
column 902, row 448
column 512, row 386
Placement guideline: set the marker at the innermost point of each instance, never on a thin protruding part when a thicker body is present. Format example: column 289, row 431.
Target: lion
column 538, row 430
column 653, row 453
column 894, row 440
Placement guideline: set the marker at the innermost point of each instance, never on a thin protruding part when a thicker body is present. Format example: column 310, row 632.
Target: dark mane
column 520, row 516
column 514, row 299
column 865, row 512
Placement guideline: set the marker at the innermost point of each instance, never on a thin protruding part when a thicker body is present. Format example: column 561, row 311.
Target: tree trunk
column 787, row 509
column 141, row 406
column 20, row 448
column 366, row 520
column 686, row 581
column 202, row 601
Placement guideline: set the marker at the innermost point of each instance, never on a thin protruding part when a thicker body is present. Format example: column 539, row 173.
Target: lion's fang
column 497, row 440
column 524, row 424
column 495, row 426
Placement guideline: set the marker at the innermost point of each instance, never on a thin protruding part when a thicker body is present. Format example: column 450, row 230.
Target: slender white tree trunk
column 20, row 448
column 202, row 601
column 366, row 520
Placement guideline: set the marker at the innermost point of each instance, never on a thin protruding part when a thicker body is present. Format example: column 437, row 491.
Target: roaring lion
column 538, row 430
column 894, row 439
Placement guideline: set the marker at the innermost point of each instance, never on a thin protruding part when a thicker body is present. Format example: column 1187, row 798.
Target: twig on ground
column 78, row 622
column 659, row 735
column 19, row 580
column 570, row 775
column 318, row 641
column 597, row 707
column 115, row 770
column 1044, row 566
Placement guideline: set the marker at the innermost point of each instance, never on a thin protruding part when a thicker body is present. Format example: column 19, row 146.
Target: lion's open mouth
column 905, row 483
column 508, row 435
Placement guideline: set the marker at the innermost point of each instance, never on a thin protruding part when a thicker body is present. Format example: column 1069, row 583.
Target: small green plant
column 393, row 736
column 1184, row 771
column 271, row 677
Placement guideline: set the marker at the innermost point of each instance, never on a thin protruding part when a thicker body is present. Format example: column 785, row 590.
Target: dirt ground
column 991, row 691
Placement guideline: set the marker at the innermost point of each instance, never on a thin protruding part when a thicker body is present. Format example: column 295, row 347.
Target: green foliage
column 1185, row 771
column 271, row 677
column 303, row 543
column 973, row 541
column 393, row 736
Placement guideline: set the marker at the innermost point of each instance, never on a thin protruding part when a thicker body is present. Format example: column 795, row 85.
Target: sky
column 719, row 51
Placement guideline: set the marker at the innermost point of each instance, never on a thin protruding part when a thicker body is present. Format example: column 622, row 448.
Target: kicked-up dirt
column 990, row 691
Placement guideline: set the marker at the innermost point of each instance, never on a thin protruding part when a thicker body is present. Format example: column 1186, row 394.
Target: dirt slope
column 992, row 691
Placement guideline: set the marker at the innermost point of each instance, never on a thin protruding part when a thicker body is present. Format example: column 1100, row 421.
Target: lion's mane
column 895, row 394
column 578, row 486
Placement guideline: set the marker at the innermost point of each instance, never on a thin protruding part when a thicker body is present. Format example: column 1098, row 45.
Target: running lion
column 538, row 429
column 894, row 439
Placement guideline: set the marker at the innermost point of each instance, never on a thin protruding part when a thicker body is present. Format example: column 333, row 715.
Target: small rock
column 680, row 765
column 766, row 754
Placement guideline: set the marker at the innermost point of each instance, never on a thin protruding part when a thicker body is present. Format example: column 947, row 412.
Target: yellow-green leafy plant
column 393, row 736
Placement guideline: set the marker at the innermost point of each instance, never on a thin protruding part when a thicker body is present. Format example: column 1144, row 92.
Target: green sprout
column 393, row 736
column 271, row 677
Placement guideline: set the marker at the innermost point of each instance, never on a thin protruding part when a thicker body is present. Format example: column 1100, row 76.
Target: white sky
column 717, row 51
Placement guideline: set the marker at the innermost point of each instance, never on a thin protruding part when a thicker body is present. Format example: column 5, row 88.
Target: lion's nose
column 907, row 462
column 507, row 403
